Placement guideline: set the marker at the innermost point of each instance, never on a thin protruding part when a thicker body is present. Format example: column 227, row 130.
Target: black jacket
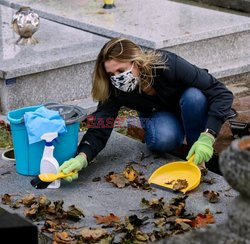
column 169, row 84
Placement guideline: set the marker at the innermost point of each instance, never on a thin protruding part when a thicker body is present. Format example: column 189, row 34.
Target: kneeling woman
column 174, row 98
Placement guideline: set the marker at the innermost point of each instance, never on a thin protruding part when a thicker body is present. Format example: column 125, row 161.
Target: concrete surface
column 102, row 197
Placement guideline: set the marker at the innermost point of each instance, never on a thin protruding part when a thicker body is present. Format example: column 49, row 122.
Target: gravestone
column 208, row 38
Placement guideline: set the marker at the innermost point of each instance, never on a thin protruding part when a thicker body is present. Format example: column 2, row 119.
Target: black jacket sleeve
column 100, row 125
column 220, row 99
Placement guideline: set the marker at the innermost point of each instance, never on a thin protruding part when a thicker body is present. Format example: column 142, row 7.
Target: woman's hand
column 74, row 164
column 202, row 148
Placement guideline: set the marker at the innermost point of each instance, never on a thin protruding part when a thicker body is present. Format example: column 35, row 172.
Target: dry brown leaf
column 160, row 222
column 184, row 226
column 28, row 200
column 140, row 236
column 64, row 238
column 118, row 180
column 212, row 196
column 93, row 234
column 49, row 226
column 108, row 220
column 202, row 220
column 180, row 220
column 6, row 199
column 204, row 171
column 209, row 181
column 180, row 184
column 169, row 182
column 130, row 173
column 42, row 201
column 74, row 212
column 32, row 211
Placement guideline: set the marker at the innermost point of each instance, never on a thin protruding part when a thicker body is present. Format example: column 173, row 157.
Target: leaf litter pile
column 129, row 176
column 156, row 220
column 163, row 219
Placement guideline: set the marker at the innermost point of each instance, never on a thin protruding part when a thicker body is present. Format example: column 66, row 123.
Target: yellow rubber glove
column 202, row 148
column 73, row 164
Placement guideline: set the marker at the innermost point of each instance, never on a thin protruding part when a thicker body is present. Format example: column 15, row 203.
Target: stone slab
column 59, row 46
column 102, row 197
column 170, row 23
column 58, row 85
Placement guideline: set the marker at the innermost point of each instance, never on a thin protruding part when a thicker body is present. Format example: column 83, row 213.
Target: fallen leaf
column 15, row 205
column 28, row 200
column 49, row 226
column 74, row 212
column 180, row 220
column 108, row 220
column 202, row 220
column 43, row 201
column 130, row 173
column 169, row 182
column 204, row 171
column 63, row 238
column 209, row 181
column 32, row 211
column 180, row 209
column 180, row 184
column 212, row 196
column 184, row 226
column 93, row 234
column 160, row 222
column 140, row 236
column 6, row 199
column 118, row 180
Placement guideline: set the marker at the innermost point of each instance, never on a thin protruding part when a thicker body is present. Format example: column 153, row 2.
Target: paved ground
column 102, row 197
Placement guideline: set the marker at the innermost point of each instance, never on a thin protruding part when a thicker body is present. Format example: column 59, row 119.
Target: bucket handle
column 80, row 118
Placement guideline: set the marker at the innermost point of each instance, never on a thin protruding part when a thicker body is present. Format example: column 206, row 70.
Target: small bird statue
column 25, row 23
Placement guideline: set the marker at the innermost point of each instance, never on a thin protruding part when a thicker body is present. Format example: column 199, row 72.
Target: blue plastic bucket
column 28, row 156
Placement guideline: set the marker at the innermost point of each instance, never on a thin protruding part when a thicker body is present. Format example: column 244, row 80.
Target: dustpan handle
column 191, row 160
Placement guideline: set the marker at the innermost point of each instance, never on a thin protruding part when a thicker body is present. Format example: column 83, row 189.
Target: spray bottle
column 48, row 163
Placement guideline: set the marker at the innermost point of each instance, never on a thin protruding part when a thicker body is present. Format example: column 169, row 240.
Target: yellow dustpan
column 176, row 170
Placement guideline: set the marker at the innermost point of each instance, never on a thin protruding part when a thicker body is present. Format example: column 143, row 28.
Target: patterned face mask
column 125, row 81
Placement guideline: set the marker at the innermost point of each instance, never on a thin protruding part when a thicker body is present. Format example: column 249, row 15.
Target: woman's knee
column 163, row 142
column 193, row 97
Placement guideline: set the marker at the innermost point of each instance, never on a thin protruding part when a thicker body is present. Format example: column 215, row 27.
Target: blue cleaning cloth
column 42, row 121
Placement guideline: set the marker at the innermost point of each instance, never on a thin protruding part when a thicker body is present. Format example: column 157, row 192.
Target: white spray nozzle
column 49, row 137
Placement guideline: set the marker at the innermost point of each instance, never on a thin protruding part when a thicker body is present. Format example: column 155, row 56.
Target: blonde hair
column 123, row 50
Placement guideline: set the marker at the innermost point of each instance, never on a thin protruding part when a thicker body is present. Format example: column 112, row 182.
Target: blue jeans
column 165, row 131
